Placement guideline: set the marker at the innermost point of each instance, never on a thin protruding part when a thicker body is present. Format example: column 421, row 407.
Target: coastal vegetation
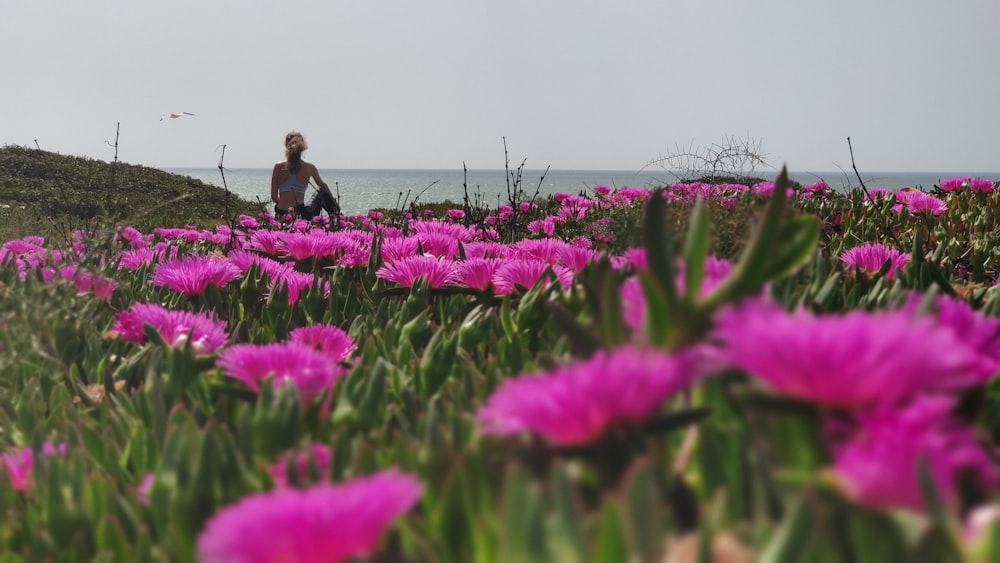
column 703, row 371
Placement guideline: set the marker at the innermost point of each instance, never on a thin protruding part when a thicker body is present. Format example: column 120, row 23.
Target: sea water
column 361, row 190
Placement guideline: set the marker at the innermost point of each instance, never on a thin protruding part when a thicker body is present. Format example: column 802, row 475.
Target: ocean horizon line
column 595, row 170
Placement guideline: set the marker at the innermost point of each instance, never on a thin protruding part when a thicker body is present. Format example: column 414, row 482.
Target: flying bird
column 175, row 115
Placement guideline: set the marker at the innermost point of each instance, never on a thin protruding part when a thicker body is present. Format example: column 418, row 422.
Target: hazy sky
column 574, row 84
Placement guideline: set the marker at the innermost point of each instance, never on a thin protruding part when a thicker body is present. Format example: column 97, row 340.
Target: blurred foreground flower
column 853, row 360
column 323, row 523
column 20, row 464
column 877, row 463
column 205, row 332
column 578, row 402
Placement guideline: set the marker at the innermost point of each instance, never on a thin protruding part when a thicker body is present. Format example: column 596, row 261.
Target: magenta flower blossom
column 485, row 249
column 526, row 273
column 312, row 244
column 266, row 241
column 547, row 249
column 917, row 201
column 456, row 214
column 870, row 257
column 248, row 222
column 135, row 258
column 974, row 329
column 406, row 271
column 191, row 275
column 981, row 185
column 453, row 230
column 319, row 454
column 204, row 331
column 877, row 462
column 579, row 402
column 20, row 464
column 439, row 244
column 954, row 184
column 292, row 281
column 853, row 360
column 310, row 370
column 132, row 237
column 395, row 248
column 329, row 339
column 476, row 273
column 324, row 523
column 145, row 487
column 633, row 297
column 244, row 259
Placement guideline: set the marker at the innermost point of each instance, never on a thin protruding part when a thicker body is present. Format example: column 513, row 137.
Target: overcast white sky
column 575, row 84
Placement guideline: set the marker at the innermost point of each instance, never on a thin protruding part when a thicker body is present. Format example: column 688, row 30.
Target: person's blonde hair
column 295, row 143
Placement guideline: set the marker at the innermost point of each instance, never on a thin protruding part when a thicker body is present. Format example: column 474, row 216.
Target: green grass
column 45, row 193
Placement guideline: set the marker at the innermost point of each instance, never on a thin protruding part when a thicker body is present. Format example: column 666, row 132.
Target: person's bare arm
column 274, row 184
column 315, row 176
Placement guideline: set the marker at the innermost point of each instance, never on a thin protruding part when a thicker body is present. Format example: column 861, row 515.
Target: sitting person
column 290, row 178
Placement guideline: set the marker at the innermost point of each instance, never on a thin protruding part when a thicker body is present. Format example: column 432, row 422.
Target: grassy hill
column 46, row 193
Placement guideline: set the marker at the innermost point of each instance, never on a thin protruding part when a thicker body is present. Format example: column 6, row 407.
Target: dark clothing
column 322, row 201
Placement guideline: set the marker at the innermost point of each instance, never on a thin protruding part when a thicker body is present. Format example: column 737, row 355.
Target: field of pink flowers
column 621, row 375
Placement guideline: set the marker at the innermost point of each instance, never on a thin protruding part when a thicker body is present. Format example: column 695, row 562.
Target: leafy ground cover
column 703, row 372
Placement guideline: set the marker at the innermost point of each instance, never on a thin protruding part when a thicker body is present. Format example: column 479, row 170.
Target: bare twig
column 883, row 222
column 230, row 220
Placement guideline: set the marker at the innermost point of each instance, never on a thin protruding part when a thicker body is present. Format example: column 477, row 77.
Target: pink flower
column 438, row 244
column 329, row 339
column 395, row 248
column 633, row 297
column 601, row 190
column 293, row 282
column 526, row 273
column 456, row 214
column 853, row 360
column 579, row 402
column 245, row 259
column 546, row 249
column 981, row 185
column 324, row 523
column 145, row 487
column 870, row 257
column 916, row 201
column 877, row 460
column 266, row 241
column 974, row 329
column 476, row 273
column 954, row 184
column 20, row 464
column 485, row 249
column 204, row 331
column 406, row 271
column 248, row 222
column 307, row 245
column 319, row 454
column 191, row 275
column 310, row 370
